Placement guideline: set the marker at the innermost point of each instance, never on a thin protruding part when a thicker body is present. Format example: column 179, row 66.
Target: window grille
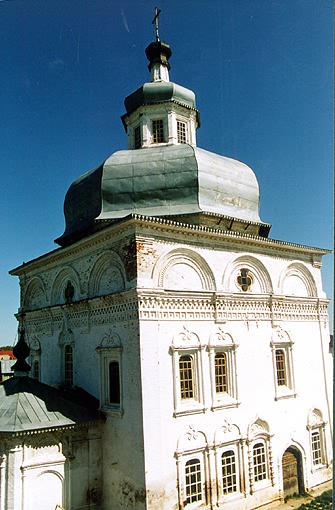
column 221, row 376
column 229, row 479
column 259, row 462
column 157, row 131
column 36, row 370
column 137, row 137
column 181, row 132
column 186, row 377
column 193, row 483
column 68, row 365
column 244, row 280
column 316, row 448
column 114, row 383
column 280, row 367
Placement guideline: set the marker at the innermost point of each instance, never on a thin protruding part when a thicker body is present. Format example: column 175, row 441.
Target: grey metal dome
column 169, row 180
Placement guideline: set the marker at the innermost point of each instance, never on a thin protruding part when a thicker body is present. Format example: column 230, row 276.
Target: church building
column 179, row 356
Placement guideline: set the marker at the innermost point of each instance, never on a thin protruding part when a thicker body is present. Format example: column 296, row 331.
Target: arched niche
column 66, row 287
column 252, row 270
column 183, row 269
column 107, row 276
column 35, row 295
column 296, row 280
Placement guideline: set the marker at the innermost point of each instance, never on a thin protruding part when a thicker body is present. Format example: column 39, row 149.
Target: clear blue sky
column 262, row 73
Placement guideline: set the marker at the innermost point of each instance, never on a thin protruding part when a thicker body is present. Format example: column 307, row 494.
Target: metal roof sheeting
column 27, row 404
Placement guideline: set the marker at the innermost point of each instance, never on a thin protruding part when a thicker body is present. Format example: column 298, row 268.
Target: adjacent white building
column 205, row 342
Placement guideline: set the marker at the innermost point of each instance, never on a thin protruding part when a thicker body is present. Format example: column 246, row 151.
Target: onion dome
column 21, row 351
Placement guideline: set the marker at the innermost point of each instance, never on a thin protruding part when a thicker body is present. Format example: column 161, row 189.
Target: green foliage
column 323, row 502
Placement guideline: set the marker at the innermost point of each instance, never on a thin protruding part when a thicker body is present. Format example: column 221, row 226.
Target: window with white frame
column 229, row 472
column 187, row 377
column 261, row 472
column 221, row 373
column 191, row 468
column 186, row 353
column 316, row 448
column 281, row 367
column 228, row 462
column 282, row 359
column 259, row 462
column 193, row 481
column 157, row 135
column 316, row 426
column 181, row 132
column 222, row 357
column 110, row 351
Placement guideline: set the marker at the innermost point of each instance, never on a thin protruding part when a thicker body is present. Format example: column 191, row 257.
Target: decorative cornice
column 129, row 225
column 158, row 306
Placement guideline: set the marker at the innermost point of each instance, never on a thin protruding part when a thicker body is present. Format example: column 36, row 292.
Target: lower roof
column 29, row 405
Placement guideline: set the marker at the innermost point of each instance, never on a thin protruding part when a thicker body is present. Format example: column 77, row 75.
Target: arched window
column 281, row 367
column 221, row 373
column 316, row 426
column 229, row 478
column 186, row 375
column 193, row 483
column 114, row 383
column 259, row 462
column 68, row 365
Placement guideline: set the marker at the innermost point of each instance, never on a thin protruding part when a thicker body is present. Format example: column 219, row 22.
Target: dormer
column 160, row 112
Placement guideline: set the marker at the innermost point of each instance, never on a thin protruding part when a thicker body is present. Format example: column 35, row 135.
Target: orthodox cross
column 155, row 21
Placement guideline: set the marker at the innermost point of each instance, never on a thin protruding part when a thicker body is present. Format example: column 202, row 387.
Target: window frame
column 182, row 135
column 111, row 390
column 237, row 491
column 319, row 450
column 137, row 137
column 316, row 425
column 154, row 131
column 185, row 344
column 35, row 357
column 68, row 365
column 110, row 350
column 195, row 461
column 187, row 377
column 109, row 356
column 36, row 374
column 223, row 343
column 260, row 477
column 183, row 460
column 283, row 344
column 255, row 483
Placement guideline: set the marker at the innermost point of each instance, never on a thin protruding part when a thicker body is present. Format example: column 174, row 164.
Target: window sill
column 285, row 392
column 112, row 411
column 228, row 498
column 319, row 467
column 225, row 403
column 191, row 409
column 263, row 484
